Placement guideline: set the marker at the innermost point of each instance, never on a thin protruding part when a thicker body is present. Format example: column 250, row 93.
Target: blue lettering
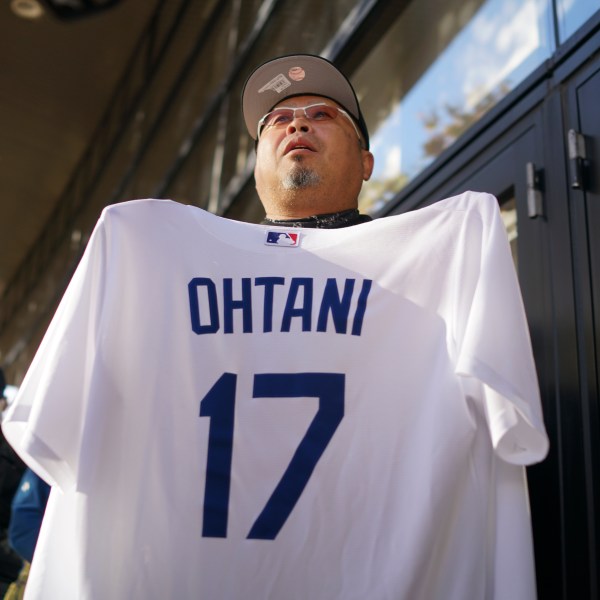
column 208, row 307
column 304, row 311
column 339, row 308
column 361, row 307
column 229, row 305
column 211, row 293
column 269, row 283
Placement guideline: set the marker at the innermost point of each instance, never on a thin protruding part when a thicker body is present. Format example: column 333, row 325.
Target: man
column 300, row 409
column 310, row 164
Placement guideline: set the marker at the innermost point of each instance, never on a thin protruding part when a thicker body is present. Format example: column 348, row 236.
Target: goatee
column 299, row 178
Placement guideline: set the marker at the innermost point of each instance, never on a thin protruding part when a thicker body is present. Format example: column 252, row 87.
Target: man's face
column 308, row 154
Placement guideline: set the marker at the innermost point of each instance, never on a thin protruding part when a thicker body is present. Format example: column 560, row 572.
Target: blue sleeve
column 27, row 512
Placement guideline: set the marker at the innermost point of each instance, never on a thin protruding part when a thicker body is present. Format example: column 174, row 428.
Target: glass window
column 572, row 14
column 435, row 73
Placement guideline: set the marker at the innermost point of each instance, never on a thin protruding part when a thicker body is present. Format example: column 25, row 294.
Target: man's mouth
column 298, row 145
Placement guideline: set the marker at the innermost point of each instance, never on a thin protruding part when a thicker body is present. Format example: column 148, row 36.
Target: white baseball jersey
column 232, row 411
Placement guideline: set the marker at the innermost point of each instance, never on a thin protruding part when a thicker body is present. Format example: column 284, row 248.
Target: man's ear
column 368, row 162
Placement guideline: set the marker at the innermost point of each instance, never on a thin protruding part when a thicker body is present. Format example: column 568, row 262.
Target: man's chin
column 300, row 177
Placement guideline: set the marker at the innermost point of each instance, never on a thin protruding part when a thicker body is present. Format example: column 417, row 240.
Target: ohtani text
column 277, row 304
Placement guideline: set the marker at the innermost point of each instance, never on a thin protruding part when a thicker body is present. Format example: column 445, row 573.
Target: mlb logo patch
column 282, row 238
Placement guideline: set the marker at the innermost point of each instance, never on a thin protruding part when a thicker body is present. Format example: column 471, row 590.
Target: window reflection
column 572, row 14
column 435, row 73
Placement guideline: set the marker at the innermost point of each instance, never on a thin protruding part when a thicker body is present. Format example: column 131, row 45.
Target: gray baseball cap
column 297, row 75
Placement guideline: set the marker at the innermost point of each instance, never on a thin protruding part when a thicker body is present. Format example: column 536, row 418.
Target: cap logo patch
column 296, row 73
column 282, row 238
column 277, row 84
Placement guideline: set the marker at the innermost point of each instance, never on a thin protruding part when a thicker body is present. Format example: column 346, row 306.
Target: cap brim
column 296, row 75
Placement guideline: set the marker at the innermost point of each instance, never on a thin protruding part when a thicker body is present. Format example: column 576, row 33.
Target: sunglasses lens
column 280, row 116
column 321, row 112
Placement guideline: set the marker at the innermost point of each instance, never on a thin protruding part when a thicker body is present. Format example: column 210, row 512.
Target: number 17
column 219, row 405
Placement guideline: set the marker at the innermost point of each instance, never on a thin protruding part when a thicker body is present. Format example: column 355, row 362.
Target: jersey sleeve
column 494, row 345
column 45, row 422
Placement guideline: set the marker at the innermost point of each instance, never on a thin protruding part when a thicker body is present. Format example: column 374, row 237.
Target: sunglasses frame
column 261, row 121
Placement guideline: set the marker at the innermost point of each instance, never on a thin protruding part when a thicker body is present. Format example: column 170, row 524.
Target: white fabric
column 420, row 492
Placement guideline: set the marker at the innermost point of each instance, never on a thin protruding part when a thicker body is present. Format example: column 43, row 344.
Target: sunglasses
column 320, row 112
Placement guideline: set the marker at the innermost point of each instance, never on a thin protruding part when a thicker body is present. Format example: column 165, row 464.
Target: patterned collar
column 337, row 220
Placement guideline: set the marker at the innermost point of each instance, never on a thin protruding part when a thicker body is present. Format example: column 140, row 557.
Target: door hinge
column 535, row 200
column 577, row 158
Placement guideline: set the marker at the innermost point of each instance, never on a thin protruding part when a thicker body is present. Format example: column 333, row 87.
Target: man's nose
column 300, row 122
